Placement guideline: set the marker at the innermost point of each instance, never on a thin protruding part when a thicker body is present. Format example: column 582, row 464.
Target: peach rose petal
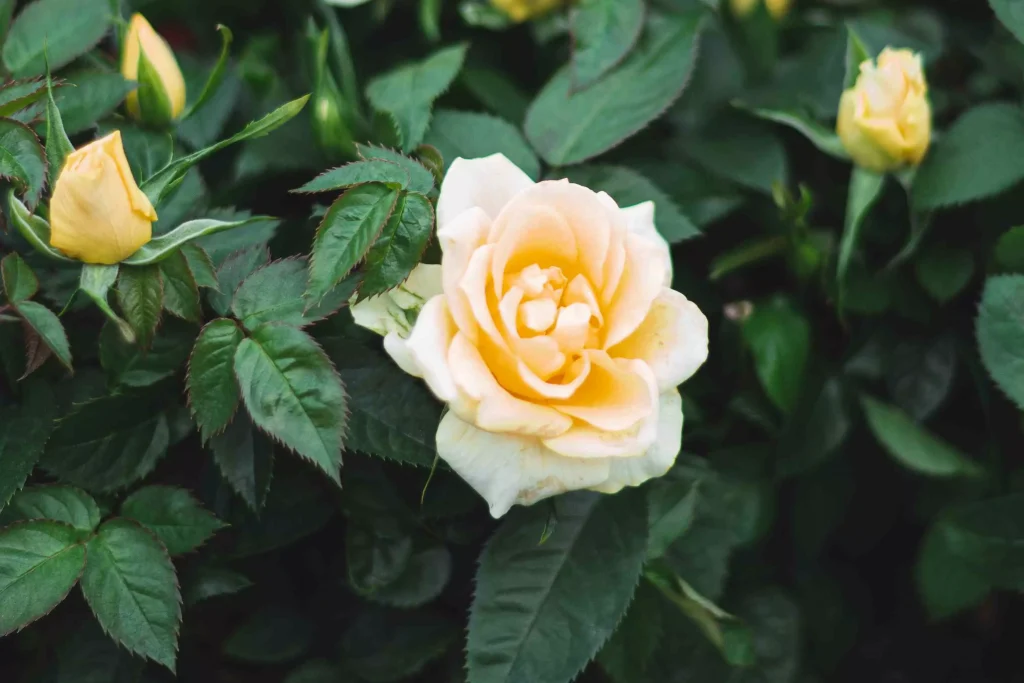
column 459, row 239
column 586, row 441
column 509, row 469
column 493, row 408
column 641, row 283
column 616, row 395
column 672, row 340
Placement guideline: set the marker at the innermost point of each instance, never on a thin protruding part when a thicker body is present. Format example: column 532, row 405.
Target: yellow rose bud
column 97, row 213
column 141, row 36
column 885, row 120
column 521, row 10
column 777, row 8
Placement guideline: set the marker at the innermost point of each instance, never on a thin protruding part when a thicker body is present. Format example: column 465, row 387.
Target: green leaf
column 822, row 137
column 177, row 519
column 20, row 283
column 636, row 638
column 210, row 582
column 725, row 631
column 163, row 183
column 409, row 91
column 64, row 504
column 779, row 337
column 856, row 54
column 140, row 295
column 944, row 271
column 54, row 30
column 470, row 135
column 108, row 443
column 377, row 552
column 89, row 97
column 351, row 225
column 912, row 446
column 298, row 504
column 865, row 190
column 201, row 265
column 129, row 365
column 235, row 268
column 95, row 282
column 1009, row 250
column 740, row 149
column 1011, row 13
column 88, row 655
column 22, row 159
column 245, row 458
column 18, row 95
column 132, row 588
column 24, row 431
column 40, row 562
column 919, row 373
column 567, row 128
column 400, row 246
column 216, row 75
column 947, row 582
column 989, row 536
column 392, row 415
column 212, row 389
column 294, row 393
column 58, row 146
column 420, row 178
column 384, row 646
column 34, row 229
column 629, row 188
column 163, row 246
column 671, row 508
column 603, row 32
column 496, row 91
column 535, row 598
column 47, row 325
column 974, row 160
column 272, row 635
column 181, row 293
column 273, row 294
column 357, row 173
column 1000, row 331
column 425, row 577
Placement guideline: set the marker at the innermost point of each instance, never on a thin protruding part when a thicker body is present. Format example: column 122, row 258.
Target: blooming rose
column 885, row 120
column 97, row 212
column 552, row 335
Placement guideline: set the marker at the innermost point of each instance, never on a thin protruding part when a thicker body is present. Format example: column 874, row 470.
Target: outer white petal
column 659, row 458
column 398, row 348
column 380, row 314
column 428, row 345
column 507, row 469
column 489, row 183
column 424, row 282
column 672, row 339
column 640, row 219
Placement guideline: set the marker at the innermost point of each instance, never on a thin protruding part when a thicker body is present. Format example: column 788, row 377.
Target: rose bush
column 511, row 341
column 552, row 335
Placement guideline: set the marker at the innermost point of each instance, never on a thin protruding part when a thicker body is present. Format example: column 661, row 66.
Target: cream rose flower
column 554, row 339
